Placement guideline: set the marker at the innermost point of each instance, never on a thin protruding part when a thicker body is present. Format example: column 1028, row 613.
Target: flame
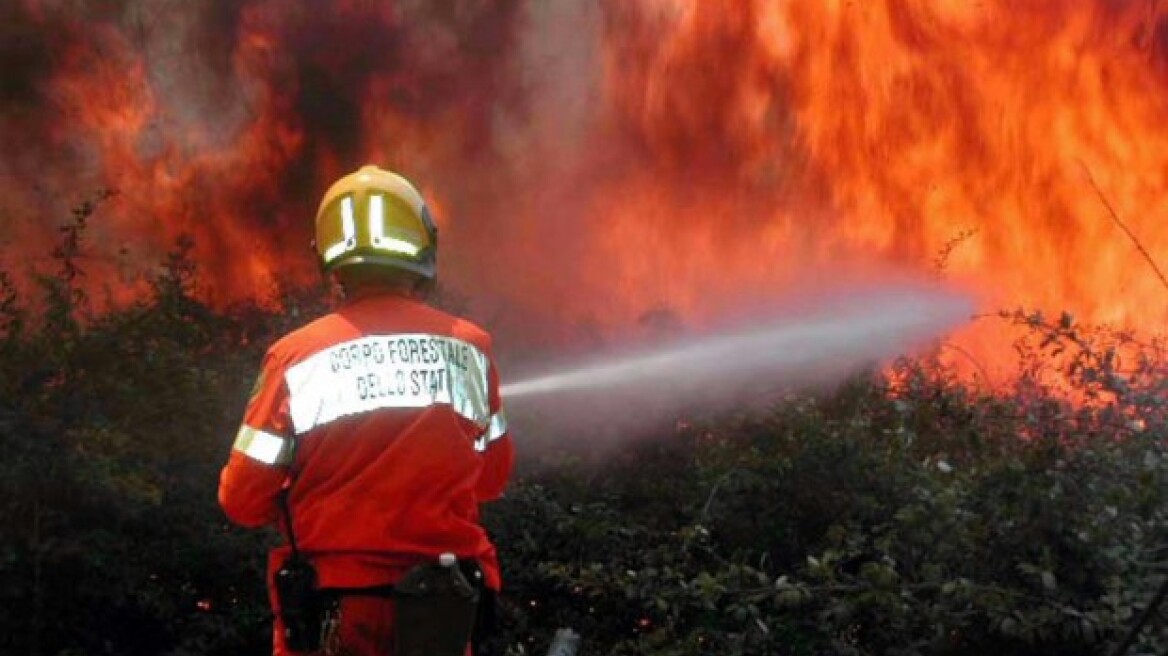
column 595, row 162
column 903, row 125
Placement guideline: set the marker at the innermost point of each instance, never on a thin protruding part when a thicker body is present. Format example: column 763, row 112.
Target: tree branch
column 1122, row 225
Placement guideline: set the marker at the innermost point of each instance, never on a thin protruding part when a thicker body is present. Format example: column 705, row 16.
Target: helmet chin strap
column 426, row 287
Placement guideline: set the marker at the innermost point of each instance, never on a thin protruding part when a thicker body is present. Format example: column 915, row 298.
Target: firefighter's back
column 389, row 397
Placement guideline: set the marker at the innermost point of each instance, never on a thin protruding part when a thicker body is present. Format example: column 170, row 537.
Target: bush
column 904, row 513
column 918, row 517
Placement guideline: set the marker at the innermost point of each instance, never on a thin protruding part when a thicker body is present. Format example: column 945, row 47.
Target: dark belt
column 470, row 569
column 371, row 591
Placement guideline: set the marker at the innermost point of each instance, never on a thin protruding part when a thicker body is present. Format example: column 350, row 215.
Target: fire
column 875, row 132
column 592, row 163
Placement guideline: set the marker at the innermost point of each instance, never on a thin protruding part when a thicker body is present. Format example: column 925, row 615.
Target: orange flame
column 596, row 162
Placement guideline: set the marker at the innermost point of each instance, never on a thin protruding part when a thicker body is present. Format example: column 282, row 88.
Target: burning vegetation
column 616, row 157
column 594, row 167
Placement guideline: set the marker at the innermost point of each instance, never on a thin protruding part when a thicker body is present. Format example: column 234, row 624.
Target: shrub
column 906, row 512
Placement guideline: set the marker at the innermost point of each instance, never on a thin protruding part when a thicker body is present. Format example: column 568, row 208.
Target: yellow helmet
column 374, row 216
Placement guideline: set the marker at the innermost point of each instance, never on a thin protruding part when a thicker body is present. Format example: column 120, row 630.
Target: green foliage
column 907, row 513
column 915, row 517
column 113, row 429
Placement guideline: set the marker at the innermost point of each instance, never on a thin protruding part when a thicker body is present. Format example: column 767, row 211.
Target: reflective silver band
column 496, row 429
column 263, row 446
column 370, row 373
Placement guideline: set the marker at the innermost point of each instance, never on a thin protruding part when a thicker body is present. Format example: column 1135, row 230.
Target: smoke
column 593, row 163
column 226, row 120
column 813, row 342
column 562, row 139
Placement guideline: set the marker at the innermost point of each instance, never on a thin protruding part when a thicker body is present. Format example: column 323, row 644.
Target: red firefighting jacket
column 384, row 418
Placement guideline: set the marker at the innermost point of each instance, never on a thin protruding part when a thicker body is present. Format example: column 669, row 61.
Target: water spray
column 831, row 338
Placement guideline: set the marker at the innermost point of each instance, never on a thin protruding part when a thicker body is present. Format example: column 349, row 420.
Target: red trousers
column 366, row 629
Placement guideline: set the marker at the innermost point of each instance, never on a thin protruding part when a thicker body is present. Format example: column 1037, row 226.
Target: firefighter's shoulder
column 307, row 339
column 469, row 331
column 457, row 326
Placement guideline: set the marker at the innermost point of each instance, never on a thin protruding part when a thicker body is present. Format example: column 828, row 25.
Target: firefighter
column 370, row 439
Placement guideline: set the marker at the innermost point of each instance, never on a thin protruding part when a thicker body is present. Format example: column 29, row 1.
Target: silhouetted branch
column 1121, row 224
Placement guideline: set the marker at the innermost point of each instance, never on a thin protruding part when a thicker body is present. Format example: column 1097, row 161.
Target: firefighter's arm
column 498, row 451
column 497, row 461
column 258, row 465
column 254, row 474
